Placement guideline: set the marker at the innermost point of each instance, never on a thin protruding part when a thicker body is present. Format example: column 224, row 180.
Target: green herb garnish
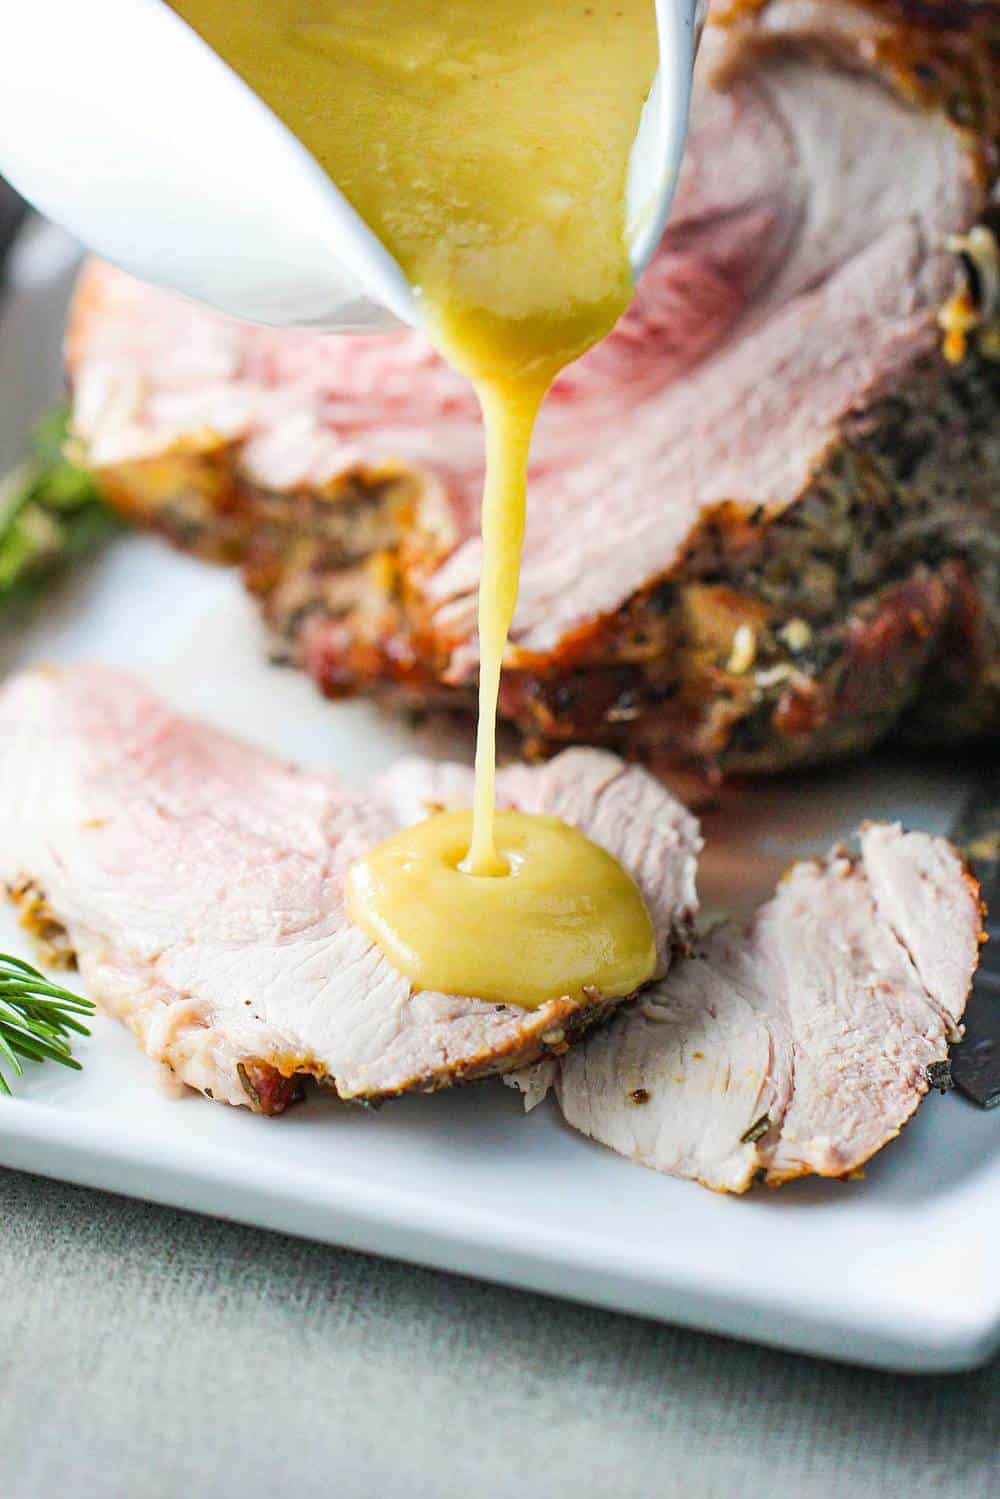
column 757, row 1129
column 37, row 1019
column 51, row 512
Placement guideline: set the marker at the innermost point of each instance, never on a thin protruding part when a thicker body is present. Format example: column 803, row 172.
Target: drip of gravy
column 487, row 145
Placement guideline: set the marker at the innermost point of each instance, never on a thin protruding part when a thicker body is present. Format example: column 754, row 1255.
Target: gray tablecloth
column 145, row 1352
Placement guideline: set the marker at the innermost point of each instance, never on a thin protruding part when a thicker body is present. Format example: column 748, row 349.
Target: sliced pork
column 798, row 1045
column 763, row 519
column 198, row 883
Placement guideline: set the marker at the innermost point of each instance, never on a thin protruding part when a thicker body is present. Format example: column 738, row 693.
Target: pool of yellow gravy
column 486, row 142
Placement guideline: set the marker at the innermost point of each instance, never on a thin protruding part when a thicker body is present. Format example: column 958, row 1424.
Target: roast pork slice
column 798, row 1045
column 763, row 522
column 198, row 882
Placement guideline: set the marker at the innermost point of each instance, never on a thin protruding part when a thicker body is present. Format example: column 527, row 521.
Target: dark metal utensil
column 975, row 1062
column 12, row 212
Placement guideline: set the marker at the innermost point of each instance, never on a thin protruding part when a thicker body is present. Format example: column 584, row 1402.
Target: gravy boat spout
column 133, row 134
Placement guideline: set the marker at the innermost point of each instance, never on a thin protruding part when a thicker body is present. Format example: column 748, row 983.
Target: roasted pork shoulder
column 199, row 885
column 763, row 519
column 799, row 1045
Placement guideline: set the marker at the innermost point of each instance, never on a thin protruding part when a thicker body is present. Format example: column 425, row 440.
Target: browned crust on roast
column 196, row 498
column 273, row 1085
column 653, row 673
column 882, row 649
column 864, row 566
column 268, row 1091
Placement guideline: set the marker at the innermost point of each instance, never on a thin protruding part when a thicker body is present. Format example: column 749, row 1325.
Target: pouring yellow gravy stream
column 486, row 142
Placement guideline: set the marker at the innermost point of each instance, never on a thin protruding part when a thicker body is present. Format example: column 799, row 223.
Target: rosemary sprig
column 37, row 1019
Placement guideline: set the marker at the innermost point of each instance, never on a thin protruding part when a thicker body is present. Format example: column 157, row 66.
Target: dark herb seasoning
column 939, row 1076
column 757, row 1129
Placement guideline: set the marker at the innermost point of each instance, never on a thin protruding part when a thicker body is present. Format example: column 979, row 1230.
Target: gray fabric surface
column 145, row 1352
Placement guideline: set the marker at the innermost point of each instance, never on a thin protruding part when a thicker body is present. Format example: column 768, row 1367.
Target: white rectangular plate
column 897, row 1270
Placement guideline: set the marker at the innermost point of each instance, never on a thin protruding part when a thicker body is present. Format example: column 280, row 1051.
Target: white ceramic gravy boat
column 121, row 124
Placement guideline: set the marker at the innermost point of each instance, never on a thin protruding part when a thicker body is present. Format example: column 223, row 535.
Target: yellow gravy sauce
column 486, row 142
